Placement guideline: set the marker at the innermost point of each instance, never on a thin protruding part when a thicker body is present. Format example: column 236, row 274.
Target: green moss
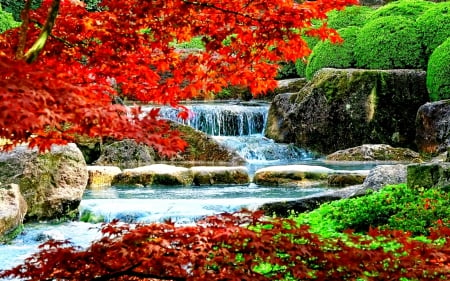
column 438, row 73
column 88, row 216
column 406, row 8
column 434, row 25
column 350, row 16
column 7, row 237
column 392, row 42
column 327, row 54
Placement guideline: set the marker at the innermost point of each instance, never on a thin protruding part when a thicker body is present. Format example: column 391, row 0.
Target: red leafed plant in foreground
column 62, row 69
column 240, row 246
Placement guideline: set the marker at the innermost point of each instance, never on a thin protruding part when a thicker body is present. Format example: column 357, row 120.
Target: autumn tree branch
column 32, row 54
column 25, row 15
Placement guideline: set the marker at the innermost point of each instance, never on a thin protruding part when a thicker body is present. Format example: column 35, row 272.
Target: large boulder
column 126, row 154
column 433, row 127
column 12, row 209
column 51, row 183
column 342, row 108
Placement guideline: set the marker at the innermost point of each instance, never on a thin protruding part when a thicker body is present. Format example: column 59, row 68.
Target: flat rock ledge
column 163, row 174
column 212, row 175
column 292, row 175
column 101, row 176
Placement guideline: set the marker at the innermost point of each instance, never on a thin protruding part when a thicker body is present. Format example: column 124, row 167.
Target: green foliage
column 286, row 70
column 7, row 21
column 300, row 65
column 393, row 207
column 327, row 54
column 195, row 43
column 407, row 8
column 438, row 72
column 92, row 5
column 350, row 16
column 390, row 42
column 434, row 25
column 15, row 6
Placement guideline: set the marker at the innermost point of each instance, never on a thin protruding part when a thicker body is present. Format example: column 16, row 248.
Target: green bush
column 393, row 207
column 300, row 64
column 407, row 8
column 350, row 16
column 434, row 25
column 438, row 72
column 286, row 70
column 389, row 43
column 15, row 6
column 327, row 54
column 7, row 21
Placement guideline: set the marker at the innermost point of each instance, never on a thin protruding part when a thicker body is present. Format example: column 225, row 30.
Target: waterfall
column 239, row 126
column 223, row 119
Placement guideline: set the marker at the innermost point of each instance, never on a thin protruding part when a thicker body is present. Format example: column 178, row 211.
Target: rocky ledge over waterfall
column 342, row 108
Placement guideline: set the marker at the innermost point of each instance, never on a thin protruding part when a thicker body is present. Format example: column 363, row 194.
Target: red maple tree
column 61, row 70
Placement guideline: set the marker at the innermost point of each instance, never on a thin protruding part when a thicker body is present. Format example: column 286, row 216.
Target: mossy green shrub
column 391, row 42
column 327, row 54
column 393, row 207
column 434, row 25
column 300, row 64
column 15, row 6
column 350, row 16
column 408, row 8
column 286, row 70
column 7, row 21
column 438, row 72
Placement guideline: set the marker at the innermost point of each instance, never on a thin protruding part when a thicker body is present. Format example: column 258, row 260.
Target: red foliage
column 67, row 87
column 233, row 247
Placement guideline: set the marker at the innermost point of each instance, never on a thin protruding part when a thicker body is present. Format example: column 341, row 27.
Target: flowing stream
column 239, row 126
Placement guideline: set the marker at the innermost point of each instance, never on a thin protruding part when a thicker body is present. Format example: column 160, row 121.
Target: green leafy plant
column 350, row 16
column 7, row 21
column 326, row 54
column 407, row 8
column 434, row 24
column 300, row 64
column 390, row 42
column 438, row 72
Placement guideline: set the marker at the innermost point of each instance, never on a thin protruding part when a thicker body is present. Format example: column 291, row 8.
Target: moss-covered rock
column 213, row 175
column 392, row 42
column 327, row 54
column 13, row 208
column 51, row 183
column 429, row 175
column 101, row 176
column 345, row 179
column 375, row 152
column 438, row 72
column 343, row 108
column 434, row 25
column 157, row 174
column 292, row 175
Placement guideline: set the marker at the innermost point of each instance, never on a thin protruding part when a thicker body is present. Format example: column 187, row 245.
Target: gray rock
column 292, row 175
column 429, row 175
column 157, row 174
column 126, row 154
column 375, row 152
column 211, row 175
column 51, row 183
column 433, row 127
column 342, row 108
column 12, row 209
